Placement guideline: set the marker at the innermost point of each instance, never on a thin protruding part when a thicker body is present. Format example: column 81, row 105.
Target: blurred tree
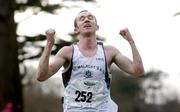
column 10, row 79
column 153, row 85
column 171, row 106
column 131, row 93
column 126, row 91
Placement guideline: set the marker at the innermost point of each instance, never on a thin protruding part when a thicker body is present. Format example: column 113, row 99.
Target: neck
column 87, row 42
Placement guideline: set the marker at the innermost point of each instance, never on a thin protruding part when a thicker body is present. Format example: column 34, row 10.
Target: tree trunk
column 10, row 79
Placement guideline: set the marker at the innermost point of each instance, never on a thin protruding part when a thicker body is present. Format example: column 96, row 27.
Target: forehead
column 84, row 13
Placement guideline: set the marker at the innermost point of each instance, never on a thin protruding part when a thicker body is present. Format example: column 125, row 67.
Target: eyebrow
column 87, row 16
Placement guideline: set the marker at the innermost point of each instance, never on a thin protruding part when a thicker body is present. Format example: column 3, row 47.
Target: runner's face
column 86, row 23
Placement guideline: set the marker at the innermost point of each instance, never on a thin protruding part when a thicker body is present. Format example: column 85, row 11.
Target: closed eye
column 82, row 18
column 90, row 17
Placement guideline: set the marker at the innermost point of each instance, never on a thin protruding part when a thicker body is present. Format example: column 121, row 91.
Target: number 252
column 83, row 96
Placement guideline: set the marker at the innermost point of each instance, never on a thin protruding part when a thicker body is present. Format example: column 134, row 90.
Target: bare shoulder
column 109, row 49
column 110, row 52
column 65, row 52
column 66, row 48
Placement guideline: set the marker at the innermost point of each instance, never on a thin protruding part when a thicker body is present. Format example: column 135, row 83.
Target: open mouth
column 87, row 26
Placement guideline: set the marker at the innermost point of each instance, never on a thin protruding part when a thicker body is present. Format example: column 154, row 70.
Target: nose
column 86, row 20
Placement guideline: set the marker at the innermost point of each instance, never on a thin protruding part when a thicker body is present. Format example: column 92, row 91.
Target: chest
column 97, row 63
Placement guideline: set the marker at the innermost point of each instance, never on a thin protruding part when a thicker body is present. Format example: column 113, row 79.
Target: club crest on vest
column 88, row 74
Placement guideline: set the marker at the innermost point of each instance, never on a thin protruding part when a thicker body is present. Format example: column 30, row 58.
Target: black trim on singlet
column 107, row 79
column 67, row 74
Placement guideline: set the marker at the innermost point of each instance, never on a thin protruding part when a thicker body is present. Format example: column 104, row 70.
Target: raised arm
column 46, row 69
column 134, row 67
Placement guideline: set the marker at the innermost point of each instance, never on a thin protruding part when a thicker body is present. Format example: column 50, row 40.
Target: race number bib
column 83, row 96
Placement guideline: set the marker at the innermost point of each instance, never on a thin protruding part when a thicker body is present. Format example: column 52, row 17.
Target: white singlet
column 87, row 83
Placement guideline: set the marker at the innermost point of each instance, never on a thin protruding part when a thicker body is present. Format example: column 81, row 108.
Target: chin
column 87, row 33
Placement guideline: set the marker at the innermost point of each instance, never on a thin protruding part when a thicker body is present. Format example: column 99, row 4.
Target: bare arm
column 134, row 67
column 45, row 68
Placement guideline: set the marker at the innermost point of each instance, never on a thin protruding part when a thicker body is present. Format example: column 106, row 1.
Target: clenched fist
column 126, row 35
column 50, row 36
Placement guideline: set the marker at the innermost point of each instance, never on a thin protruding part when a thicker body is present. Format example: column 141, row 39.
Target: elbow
column 40, row 77
column 139, row 72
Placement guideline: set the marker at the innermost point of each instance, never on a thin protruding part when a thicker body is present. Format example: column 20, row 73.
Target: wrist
column 49, row 44
column 131, row 42
column 48, row 47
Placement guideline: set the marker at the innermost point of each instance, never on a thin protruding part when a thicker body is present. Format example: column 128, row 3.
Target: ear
column 76, row 30
column 97, row 27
